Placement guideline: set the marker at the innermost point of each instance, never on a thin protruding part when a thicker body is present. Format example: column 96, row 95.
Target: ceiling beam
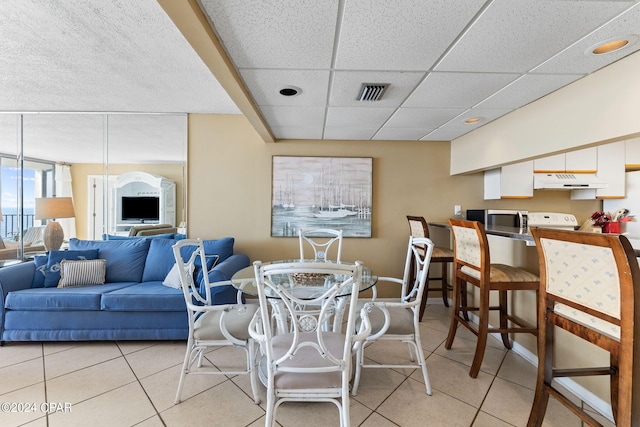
column 194, row 25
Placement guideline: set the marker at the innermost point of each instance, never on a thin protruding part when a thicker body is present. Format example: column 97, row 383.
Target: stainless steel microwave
column 499, row 217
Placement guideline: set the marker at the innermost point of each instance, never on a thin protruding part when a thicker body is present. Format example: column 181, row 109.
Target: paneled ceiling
column 445, row 61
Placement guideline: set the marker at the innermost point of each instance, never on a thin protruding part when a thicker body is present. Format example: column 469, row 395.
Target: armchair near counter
column 590, row 284
column 472, row 264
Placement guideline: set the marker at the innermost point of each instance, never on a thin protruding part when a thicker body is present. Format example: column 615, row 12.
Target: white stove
column 560, row 221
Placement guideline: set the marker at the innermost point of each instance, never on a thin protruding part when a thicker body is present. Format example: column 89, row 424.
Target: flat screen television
column 140, row 208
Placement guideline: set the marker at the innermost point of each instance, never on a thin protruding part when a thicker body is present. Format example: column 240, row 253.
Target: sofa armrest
column 224, row 271
column 14, row 278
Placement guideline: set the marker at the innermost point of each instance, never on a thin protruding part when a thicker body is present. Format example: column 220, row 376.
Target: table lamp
column 53, row 208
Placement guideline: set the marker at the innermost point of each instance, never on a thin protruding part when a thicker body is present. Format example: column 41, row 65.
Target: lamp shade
column 54, row 208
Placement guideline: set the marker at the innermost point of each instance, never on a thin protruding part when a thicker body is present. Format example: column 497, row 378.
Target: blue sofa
column 132, row 304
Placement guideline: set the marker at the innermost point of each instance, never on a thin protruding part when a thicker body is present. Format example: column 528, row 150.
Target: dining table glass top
column 306, row 286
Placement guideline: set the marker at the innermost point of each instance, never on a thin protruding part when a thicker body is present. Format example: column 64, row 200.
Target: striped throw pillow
column 82, row 273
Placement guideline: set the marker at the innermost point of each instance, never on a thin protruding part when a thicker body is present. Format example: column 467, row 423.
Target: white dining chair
column 398, row 319
column 211, row 325
column 321, row 241
column 306, row 362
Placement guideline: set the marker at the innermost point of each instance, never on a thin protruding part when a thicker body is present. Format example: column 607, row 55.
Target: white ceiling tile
column 286, row 116
column 297, row 132
column 445, row 134
column 401, row 134
column 526, row 89
column 94, row 55
column 349, row 133
column 517, row 35
column 457, row 90
column 575, row 60
column 430, row 118
column 346, row 87
column 392, row 35
column 276, row 34
column 265, row 86
column 357, row 117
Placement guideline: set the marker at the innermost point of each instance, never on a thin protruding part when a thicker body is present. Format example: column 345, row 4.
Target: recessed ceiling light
column 290, row 91
column 473, row 120
column 611, row 45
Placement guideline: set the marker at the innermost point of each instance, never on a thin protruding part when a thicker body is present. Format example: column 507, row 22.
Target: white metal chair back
column 308, row 362
column 399, row 319
column 211, row 325
column 321, row 241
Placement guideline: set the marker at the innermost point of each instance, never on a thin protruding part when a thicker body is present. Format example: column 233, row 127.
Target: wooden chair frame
column 624, row 369
column 463, row 271
column 418, row 227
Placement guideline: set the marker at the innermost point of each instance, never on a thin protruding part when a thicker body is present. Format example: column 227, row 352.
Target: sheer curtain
column 64, row 189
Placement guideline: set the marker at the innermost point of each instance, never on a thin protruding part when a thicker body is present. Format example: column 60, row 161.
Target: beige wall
column 230, row 190
column 81, row 171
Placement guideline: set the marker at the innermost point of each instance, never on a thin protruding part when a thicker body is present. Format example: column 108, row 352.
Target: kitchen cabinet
column 611, row 169
column 509, row 182
column 632, row 154
column 579, row 161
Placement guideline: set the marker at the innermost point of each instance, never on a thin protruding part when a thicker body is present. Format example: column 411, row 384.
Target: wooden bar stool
column 472, row 264
column 589, row 285
column 419, row 229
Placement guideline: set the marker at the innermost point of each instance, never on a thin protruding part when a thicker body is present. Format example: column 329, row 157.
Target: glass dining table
column 302, row 286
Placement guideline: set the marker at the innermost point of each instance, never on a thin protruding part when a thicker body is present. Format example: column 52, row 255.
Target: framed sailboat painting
column 321, row 192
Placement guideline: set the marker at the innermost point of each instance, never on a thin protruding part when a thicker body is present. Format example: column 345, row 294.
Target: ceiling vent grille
column 372, row 91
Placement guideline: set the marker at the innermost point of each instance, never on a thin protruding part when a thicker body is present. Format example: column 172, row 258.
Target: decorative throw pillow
column 82, row 273
column 52, row 273
column 212, row 260
column 40, row 262
column 173, row 277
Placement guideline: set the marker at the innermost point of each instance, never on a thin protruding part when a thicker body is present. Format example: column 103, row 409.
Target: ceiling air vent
column 372, row 91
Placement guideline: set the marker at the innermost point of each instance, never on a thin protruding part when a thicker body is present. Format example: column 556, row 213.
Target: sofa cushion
column 145, row 296
column 125, row 258
column 40, row 262
column 221, row 247
column 159, row 261
column 52, row 274
column 77, row 298
column 82, row 273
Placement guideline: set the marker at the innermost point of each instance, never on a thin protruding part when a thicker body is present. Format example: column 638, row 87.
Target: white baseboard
column 599, row 405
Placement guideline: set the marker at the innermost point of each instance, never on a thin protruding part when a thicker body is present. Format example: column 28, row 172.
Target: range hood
column 566, row 181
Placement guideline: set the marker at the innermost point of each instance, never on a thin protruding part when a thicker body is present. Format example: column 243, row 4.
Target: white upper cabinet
column 579, row 161
column 509, row 182
column 611, row 169
column 632, row 154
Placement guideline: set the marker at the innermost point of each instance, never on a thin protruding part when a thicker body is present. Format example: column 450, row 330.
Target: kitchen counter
column 509, row 232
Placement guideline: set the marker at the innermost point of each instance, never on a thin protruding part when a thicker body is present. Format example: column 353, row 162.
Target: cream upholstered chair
column 321, row 240
column 399, row 320
column 589, row 285
column 211, row 325
column 418, row 228
column 307, row 362
column 472, row 264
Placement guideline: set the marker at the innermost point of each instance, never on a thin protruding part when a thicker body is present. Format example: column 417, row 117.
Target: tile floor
column 134, row 383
